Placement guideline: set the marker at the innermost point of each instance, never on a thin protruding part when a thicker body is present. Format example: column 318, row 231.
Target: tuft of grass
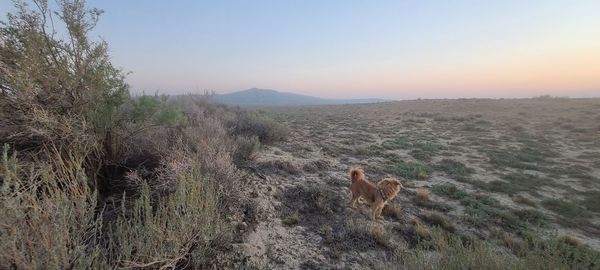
column 513, row 159
column 425, row 150
column 423, row 195
column 483, row 210
column 440, row 220
column 398, row 143
column 533, row 253
column 516, row 182
column 326, row 230
column 454, row 169
column 410, row 170
column 571, row 240
column 282, row 165
column 523, row 200
column 422, row 199
column 510, row 242
column 292, row 219
column 420, row 230
column 592, row 201
column 499, row 186
column 572, row 171
column 565, row 208
column 316, row 166
column 380, row 235
column 392, row 210
column 449, row 190
column 531, row 216
column 526, row 182
column 368, row 151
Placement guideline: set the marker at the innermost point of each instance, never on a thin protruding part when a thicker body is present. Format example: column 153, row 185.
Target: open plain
column 494, row 174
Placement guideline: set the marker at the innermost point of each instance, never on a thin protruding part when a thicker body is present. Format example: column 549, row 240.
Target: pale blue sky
column 389, row 49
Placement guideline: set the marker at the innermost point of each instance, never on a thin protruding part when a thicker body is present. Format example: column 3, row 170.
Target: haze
column 357, row 49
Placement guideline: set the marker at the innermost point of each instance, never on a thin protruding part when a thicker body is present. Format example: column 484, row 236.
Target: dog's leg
column 379, row 210
column 353, row 201
column 374, row 212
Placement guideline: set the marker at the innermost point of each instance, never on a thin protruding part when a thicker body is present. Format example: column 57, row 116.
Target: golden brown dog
column 377, row 196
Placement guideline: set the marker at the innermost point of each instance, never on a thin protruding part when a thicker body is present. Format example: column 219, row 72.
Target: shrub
column 285, row 166
column 316, row 165
column 248, row 123
column 51, row 84
column 172, row 231
column 246, row 149
column 155, row 110
column 47, row 221
column 96, row 178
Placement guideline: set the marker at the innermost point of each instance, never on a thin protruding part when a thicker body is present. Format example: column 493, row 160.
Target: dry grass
column 293, row 219
column 326, row 230
column 423, row 195
column 392, row 210
column 420, row 230
column 380, row 235
column 571, row 240
column 523, row 200
column 510, row 242
column 440, row 220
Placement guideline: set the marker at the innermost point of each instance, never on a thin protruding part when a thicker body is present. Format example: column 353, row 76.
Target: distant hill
column 267, row 97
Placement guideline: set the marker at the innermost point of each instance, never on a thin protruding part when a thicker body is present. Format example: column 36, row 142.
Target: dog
column 376, row 196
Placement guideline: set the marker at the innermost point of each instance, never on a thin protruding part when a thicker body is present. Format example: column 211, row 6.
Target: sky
column 356, row 49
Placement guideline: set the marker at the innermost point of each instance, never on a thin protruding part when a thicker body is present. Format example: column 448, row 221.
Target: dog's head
column 391, row 186
column 356, row 174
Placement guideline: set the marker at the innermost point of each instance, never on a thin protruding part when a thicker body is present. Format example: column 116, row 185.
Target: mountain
column 267, row 97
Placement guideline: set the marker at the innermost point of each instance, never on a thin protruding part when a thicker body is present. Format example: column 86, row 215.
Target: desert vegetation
column 93, row 177
column 484, row 187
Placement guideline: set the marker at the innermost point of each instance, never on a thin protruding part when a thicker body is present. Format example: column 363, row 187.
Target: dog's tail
column 356, row 173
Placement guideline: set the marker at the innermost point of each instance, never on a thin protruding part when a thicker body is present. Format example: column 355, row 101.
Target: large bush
column 91, row 177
